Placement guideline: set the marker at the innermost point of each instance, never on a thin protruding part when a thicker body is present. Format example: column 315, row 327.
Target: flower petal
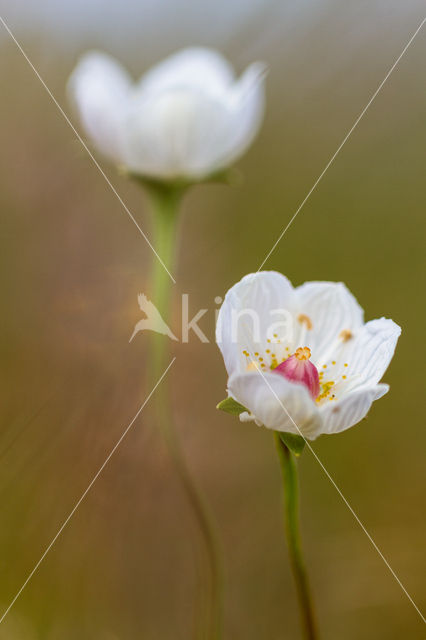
column 189, row 117
column 341, row 415
column 99, row 88
column 185, row 128
column 245, row 316
column 177, row 133
column 195, row 67
column 368, row 353
column 331, row 308
column 246, row 105
column 277, row 403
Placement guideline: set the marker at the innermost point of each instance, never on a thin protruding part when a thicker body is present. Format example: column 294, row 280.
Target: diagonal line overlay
column 343, row 498
column 86, row 148
column 84, row 494
column 345, row 139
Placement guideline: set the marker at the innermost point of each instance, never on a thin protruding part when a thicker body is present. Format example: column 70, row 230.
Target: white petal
column 277, row 403
column 197, row 68
column 245, row 416
column 381, row 390
column 189, row 131
column 341, row 415
column 331, row 308
column 368, row 353
column 177, row 133
column 99, row 88
column 190, row 119
column 245, row 315
column 246, row 105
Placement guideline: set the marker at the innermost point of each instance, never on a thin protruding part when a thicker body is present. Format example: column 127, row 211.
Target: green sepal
column 229, row 405
column 293, row 442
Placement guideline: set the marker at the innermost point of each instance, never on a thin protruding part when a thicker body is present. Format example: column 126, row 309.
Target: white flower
column 188, row 117
column 323, row 329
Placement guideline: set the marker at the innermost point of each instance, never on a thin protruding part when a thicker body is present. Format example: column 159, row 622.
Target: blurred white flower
column 325, row 371
column 188, row 117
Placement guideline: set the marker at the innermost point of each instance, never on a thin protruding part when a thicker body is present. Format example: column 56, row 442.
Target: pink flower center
column 298, row 368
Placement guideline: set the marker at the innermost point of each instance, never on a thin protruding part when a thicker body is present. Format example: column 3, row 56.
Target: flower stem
column 165, row 204
column 291, row 508
column 165, row 201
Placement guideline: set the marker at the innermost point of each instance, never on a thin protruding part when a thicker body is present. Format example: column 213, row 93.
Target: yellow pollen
column 344, row 377
column 334, row 362
column 345, row 335
column 324, row 366
column 304, row 319
column 303, row 353
column 326, row 391
column 346, row 364
column 256, row 353
column 268, row 351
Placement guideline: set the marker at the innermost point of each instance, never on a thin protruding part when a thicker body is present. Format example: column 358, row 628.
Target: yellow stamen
column 304, row 319
column 326, row 390
column 303, row 353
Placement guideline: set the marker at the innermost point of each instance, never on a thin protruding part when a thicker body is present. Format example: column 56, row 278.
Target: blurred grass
column 71, row 266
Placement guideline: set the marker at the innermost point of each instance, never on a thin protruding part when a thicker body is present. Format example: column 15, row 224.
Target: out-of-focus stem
column 165, row 202
column 291, row 509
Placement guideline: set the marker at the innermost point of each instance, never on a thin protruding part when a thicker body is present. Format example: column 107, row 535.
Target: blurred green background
column 72, row 263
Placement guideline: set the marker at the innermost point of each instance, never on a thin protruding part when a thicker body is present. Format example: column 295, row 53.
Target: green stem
column 291, row 509
column 165, row 202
